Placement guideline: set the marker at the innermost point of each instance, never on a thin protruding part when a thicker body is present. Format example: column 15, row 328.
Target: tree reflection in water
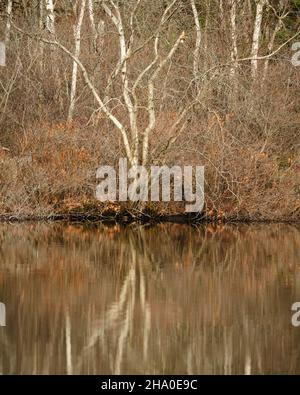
column 154, row 300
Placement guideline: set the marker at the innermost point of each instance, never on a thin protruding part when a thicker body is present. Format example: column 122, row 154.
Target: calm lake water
column 166, row 299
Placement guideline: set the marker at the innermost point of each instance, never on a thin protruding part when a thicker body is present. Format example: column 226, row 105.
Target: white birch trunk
column 256, row 36
column 41, row 15
column 103, row 105
column 198, row 40
column 41, row 26
column 151, row 105
column 50, row 19
column 117, row 21
column 92, row 20
column 221, row 9
column 8, row 21
column 77, row 37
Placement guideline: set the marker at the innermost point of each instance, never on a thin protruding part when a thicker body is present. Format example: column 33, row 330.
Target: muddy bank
column 129, row 218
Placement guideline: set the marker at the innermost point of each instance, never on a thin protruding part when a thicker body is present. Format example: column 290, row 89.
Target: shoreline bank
column 129, row 218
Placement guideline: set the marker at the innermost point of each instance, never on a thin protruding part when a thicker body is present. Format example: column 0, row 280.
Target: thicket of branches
column 161, row 82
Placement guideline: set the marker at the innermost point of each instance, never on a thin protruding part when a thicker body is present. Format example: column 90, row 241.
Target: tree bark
column 256, row 36
column 8, row 21
column 50, row 19
column 92, row 20
column 198, row 40
column 77, row 37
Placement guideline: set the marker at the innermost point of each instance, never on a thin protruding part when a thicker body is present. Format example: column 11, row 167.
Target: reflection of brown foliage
column 142, row 299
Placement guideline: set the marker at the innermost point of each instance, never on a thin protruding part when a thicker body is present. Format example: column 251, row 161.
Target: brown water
column 154, row 300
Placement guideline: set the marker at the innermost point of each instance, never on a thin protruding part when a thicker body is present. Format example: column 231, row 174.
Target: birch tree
column 134, row 86
column 135, row 151
column 198, row 40
column 92, row 21
column 272, row 35
column 234, row 50
column 77, row 37
column 256, row 36
column 41, row 27
column 8, row 21
column 137, row 142
column 50, row 18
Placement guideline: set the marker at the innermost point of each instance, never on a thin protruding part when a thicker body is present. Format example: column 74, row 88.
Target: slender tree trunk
column 221, row 9
column 8, row 22
column 205, row 44
column 234, row 50
column 256, row 36
column 50, row 27
column 92, row 20
column 41, row 27
column 41, row 15
column 270, row 47
column 198, row 41
column 117, row 20
column 279, row 24
column 50, row 19
column 77, row 36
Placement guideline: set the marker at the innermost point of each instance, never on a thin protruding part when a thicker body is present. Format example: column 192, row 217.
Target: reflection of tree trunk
column 121, row 343
column 228, row 351
column 125, row 305
column 68, row 344
column 248, row 363
column 247, row 348
column 146, row 313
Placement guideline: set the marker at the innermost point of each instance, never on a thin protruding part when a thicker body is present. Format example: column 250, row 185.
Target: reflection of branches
column 125, row 305
column 121, row 343
column 195, row 305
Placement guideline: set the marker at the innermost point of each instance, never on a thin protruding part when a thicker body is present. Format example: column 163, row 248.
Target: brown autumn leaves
column 90, row 82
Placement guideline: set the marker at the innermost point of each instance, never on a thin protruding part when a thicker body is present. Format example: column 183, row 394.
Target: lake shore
column 127, row 217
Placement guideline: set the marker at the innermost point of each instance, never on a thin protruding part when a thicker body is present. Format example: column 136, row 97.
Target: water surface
column 167, row 299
